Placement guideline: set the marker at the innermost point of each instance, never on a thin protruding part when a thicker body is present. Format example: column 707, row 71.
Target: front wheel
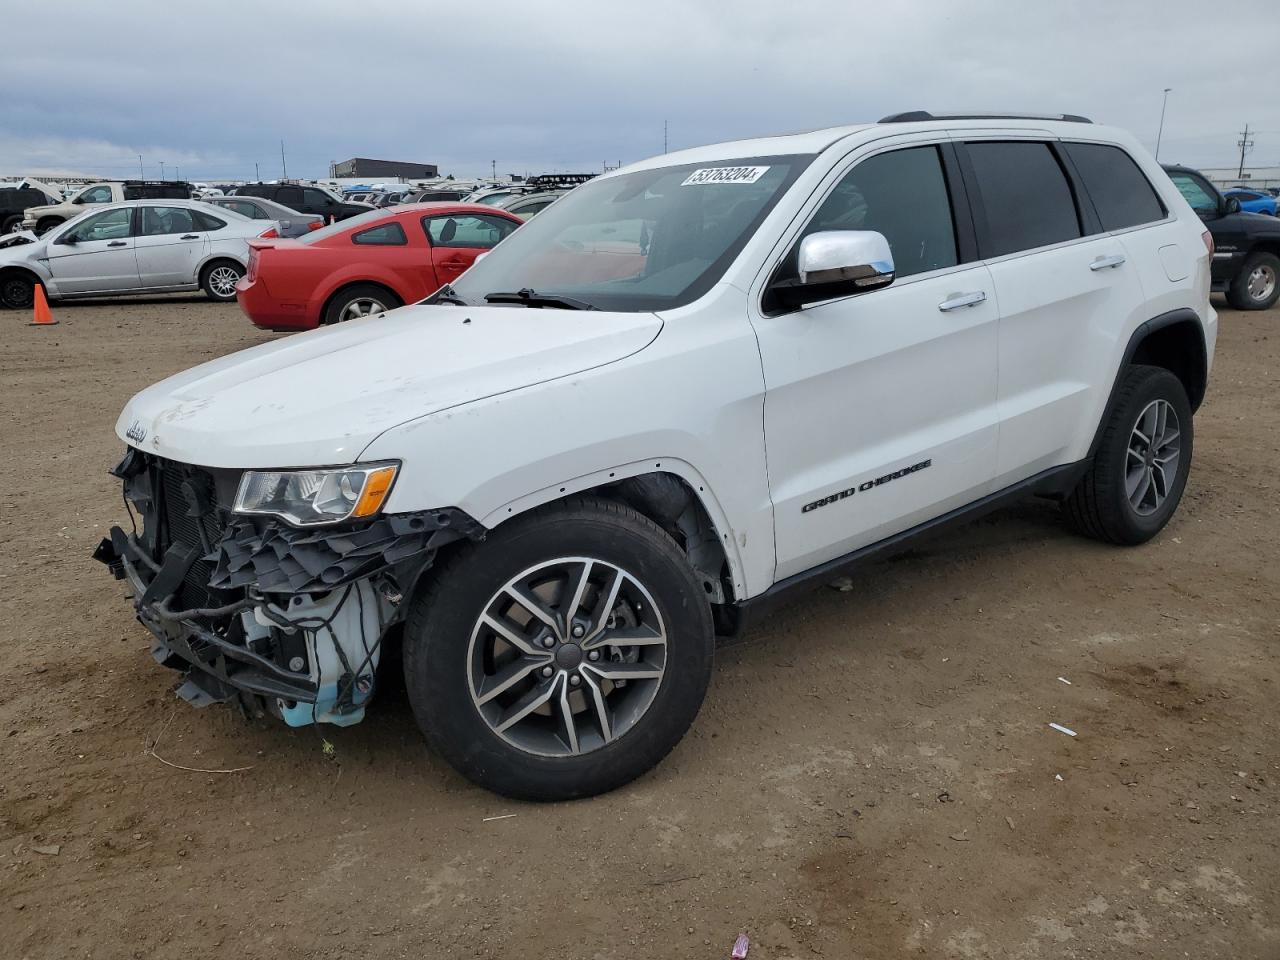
column 1257, row 285
column 1140, row 469
column 219, row 279
column 563, row 656
column 17, row 291
column 11, row 224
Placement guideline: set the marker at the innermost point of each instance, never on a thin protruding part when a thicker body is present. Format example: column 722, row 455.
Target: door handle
column 1102, row 263
column 117, row 243
column 962, row 300
column 190, row 236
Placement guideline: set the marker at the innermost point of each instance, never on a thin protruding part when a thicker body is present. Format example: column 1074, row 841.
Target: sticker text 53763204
column 724, row 175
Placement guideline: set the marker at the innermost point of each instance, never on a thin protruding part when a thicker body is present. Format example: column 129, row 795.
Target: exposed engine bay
column 277, row 619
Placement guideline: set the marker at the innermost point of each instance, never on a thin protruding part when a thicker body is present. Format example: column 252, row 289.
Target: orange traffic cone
column 41, row 315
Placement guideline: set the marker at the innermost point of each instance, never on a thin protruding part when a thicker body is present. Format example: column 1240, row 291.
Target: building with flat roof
column 383, row 169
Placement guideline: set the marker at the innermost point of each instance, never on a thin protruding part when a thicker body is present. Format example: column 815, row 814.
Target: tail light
column 1207, row 237
column 315, row 224
column 251, row 270
column 269, row 234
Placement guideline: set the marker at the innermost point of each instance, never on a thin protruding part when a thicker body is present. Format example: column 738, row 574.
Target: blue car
column 1252, row 201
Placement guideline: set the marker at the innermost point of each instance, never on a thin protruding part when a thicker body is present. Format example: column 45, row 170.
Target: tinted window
column 1025, row 194
column 467, row 230
column 527, row 210
column 386, row 235
column 246, row 209
column 317, row 198
column 289, row 196
column 108, row 225
column 1121, row 194
column 157, row 221
column 1196, row 192
column 206, row 222
column 902, row 195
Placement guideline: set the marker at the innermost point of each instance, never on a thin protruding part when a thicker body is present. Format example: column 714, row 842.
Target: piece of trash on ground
column 1057, row 776
column 844, row 585
column 960, row 836
column 1061, row 729
column 1009, row 821
column 740, row 947
column 505, row 816
column 1065, row 680
column 48, row 850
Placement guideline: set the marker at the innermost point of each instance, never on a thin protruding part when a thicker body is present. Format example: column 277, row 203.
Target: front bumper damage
column 278, row 619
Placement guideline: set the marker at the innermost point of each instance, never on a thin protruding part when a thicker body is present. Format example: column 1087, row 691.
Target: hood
column 17, row 246
column 321, row 397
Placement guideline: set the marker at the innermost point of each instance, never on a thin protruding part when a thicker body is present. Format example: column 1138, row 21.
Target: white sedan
column 141, row 246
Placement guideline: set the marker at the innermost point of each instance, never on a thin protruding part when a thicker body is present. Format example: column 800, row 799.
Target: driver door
column 880, row 408
column 96, row 254
column 457, row 239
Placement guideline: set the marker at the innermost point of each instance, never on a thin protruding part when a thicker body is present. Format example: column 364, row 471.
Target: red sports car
column 367, row 264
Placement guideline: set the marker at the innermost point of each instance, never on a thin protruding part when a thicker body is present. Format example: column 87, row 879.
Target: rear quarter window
column 1025, row 194
column 1121, row 194
column 385, row 235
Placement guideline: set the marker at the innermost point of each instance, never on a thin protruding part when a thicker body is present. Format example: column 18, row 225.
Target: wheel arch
column 1174, row 341
column 9, row 270
column 671, row 493
column 214, row 258
column 346, row 283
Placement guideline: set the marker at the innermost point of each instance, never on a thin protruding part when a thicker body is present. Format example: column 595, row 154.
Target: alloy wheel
column 1262, row 282
column 362, row 307
column 1151, row 462
column 567, row 657
column 223, row 280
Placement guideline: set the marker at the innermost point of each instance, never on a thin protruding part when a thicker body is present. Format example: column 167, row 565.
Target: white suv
column 684, row 389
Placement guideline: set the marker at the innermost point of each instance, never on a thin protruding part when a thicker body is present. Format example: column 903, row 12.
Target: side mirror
column 836, row 263
column 1230, row 205
column 68, row 238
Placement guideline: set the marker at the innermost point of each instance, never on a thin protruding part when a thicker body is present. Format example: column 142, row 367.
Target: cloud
column 572, row 84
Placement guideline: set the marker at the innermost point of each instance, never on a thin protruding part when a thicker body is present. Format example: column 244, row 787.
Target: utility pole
column 493, row 166
column 161, row 169
column 1160, row 135
column 256, row 175
column 664, row 136
column 1245, row 145
column 141, row 174
column 284, row 168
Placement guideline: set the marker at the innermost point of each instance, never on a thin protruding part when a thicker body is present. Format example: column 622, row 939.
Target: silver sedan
column 140, row 246
column 292, row 223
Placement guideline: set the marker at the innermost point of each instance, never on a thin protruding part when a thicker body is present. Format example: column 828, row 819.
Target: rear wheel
column 1137, row 477
column 360, row 300
column 562, row 657
column 1257, row 285
column 219, row 279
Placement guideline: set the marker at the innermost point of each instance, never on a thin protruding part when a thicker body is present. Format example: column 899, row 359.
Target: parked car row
column 139, row 246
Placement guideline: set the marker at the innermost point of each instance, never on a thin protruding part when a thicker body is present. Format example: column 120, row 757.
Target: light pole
column 1160, row 134
column 161, row 169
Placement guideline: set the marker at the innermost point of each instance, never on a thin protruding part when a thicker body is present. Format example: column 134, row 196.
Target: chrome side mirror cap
column 860, row 258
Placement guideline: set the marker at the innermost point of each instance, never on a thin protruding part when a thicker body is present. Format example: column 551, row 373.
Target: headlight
column 309, row 497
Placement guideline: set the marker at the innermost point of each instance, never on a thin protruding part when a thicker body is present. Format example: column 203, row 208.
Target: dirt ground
column 872, row 776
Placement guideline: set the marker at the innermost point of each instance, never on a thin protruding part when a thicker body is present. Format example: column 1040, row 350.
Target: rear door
column 170, row 246
column 457, row 239
column 1065, row 289
column 96, row 254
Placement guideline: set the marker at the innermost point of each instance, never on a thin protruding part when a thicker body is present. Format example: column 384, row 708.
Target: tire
column 1257, row 285
column 360, row 300
column 1108, row 504
column 47, row 224
column 17, row 290
column 216, row 280
column 10, row 224
column 453, row 659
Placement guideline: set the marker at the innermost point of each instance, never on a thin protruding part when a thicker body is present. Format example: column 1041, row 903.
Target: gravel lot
column 873, row 774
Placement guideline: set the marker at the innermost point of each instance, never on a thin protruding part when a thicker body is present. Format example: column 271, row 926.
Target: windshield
column 650, row 240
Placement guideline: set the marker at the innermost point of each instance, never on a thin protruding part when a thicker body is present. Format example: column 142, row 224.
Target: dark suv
column 1246, row 258
column 14, row 200
column 304, row 199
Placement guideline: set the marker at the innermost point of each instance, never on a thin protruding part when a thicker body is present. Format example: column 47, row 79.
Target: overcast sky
column 542, row 86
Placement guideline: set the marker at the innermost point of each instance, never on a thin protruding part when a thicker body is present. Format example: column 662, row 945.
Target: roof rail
column 914, row 116
column 553, row 181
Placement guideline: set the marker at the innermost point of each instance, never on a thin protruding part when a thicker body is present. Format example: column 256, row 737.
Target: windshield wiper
column 446, row 294
column 531, row 298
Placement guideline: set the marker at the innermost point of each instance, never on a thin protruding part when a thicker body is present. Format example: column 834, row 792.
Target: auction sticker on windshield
column 724, row 175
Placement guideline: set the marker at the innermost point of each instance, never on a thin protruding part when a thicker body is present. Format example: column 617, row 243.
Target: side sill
column 1056, row 482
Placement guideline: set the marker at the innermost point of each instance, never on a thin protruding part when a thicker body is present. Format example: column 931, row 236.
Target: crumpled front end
column 276, row 618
